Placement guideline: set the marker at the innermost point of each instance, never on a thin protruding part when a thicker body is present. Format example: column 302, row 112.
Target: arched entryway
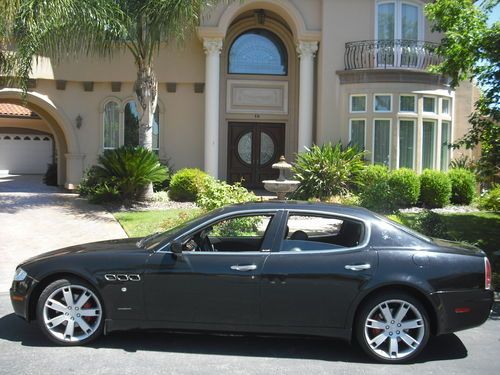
column 259, row 76
column 69, row 160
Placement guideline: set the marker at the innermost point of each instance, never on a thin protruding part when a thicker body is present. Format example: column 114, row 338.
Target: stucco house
column 261, row 78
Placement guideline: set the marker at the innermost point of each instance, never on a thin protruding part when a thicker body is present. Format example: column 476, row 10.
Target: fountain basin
column 281, row 188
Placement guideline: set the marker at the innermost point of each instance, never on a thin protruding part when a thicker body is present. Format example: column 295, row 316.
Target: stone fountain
column 281, row 186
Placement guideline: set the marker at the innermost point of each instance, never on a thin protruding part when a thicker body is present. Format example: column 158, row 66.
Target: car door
column 310, row 282
column 210, row 287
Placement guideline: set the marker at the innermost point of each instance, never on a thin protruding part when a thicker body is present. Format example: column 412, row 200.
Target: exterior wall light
column 79, row 121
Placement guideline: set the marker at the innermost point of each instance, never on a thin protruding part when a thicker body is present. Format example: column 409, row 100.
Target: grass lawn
column 142, row 223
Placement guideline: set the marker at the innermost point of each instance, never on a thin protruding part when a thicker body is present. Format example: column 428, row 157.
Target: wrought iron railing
column 389, row 54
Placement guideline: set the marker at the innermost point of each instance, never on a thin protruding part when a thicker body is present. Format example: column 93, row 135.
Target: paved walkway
column 35, row 218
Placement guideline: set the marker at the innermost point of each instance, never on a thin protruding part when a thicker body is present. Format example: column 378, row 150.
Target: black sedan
column 273, row 268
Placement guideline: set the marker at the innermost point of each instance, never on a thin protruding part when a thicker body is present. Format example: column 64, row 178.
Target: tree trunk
column 146, row 90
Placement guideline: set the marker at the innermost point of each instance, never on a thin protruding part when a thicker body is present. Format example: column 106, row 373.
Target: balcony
column 370, row 61
column 390, row 54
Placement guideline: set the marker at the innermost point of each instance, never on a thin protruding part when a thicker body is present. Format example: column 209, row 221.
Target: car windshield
column 153, row 240
column 405, row 229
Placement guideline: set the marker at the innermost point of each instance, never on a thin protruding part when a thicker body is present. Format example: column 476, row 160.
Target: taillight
column 487, row 274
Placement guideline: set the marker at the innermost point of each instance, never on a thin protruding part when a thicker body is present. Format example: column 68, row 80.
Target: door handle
column 358, row 267
column 244, row 268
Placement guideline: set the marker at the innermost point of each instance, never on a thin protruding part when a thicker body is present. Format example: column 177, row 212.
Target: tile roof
column 8, row 109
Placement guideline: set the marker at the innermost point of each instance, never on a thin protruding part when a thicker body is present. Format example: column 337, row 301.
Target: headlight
column 20, row 274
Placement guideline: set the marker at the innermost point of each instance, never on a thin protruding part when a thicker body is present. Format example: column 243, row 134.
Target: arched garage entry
column 69, row 160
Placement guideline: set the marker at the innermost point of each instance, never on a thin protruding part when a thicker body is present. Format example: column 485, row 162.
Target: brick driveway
column 35, row 218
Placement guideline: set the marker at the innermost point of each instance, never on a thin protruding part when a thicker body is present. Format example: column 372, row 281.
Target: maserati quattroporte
column 270, row 268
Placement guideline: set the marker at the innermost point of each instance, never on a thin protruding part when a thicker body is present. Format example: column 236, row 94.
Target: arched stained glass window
column 258, row 51
column 111, row 125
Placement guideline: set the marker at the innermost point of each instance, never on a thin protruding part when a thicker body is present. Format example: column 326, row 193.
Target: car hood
column 111, row 246
column 456, row 247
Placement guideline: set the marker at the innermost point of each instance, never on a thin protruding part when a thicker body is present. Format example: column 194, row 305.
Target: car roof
column 333, row 208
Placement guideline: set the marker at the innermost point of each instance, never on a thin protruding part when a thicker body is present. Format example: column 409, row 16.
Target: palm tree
column 61, row 29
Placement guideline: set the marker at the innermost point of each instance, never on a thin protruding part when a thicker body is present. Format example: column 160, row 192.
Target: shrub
column 374, row 193
column 404, row 188
column 491, row 199
column 463, row 185
column 186, row 184
column 165, row 184
column 435, row 189
column 50, row 177
column 327, row 170
column 217, row 194
column 122, row 174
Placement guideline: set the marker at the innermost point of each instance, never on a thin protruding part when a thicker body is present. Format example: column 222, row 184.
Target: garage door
column 25, row 153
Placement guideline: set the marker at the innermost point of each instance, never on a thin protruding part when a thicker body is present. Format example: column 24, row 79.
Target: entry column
column 306, row 51
column 212, row 48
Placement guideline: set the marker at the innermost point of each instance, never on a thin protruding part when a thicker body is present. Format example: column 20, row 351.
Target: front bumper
column 459, row 310
column 20, row 293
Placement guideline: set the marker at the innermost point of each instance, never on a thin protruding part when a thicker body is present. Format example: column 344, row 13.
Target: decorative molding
column 270, row 97
column 307, row 49
column 171, row 87
column 61, row 84
column 391, row 75
column 88, row 86
column 212, row 45
column 116, row 86
column 199, row 87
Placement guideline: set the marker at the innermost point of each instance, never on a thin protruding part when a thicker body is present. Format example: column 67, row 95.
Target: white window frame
column 350, row 129
column 435, row 104
column 415, row 103
column 436, row 129
column 374, row 103
column 448, row 151
column 398, row 17
column 415, row 124
column 442, row 100
column 390, row 140
column 103, row 118
column 358, row 95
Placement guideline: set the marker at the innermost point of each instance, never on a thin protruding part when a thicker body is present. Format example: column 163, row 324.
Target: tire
column 380, row 328
column 70, row 312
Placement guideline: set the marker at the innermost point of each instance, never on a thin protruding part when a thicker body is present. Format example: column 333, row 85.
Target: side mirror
column 176, row 247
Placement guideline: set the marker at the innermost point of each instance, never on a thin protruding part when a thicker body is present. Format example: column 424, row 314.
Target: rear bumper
column 20, row 293
column 458, row 310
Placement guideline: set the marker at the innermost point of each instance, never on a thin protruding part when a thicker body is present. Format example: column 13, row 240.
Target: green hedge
column 435, row 189
column 491, row 199
column 186, row 184
column 404, row 188
column 463, row 185
column 374, row 190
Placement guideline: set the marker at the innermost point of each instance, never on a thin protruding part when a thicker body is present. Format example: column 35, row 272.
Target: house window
column 357, row 103
column 357, row 133
column 429, row 104
column 407, row 103
column 258, row 51
column 382, row 142
column 445, row 106
column 111, row 125
column 445, row 141
column 382, row 103
column 428, row 144
column 398, row 20
column 406, row 143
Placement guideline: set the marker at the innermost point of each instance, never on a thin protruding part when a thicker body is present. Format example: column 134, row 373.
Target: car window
column 315, row 232
column 385, row 234
column 235, row 234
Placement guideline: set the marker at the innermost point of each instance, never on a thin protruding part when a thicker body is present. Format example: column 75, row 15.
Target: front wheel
column 393, row 327
column 69, row 312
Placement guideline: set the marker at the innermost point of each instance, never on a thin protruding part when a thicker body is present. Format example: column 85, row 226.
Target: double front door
column 252, row 149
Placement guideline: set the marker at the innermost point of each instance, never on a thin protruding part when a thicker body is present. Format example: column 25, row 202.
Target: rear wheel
column 69, row 312
column 393, row 327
